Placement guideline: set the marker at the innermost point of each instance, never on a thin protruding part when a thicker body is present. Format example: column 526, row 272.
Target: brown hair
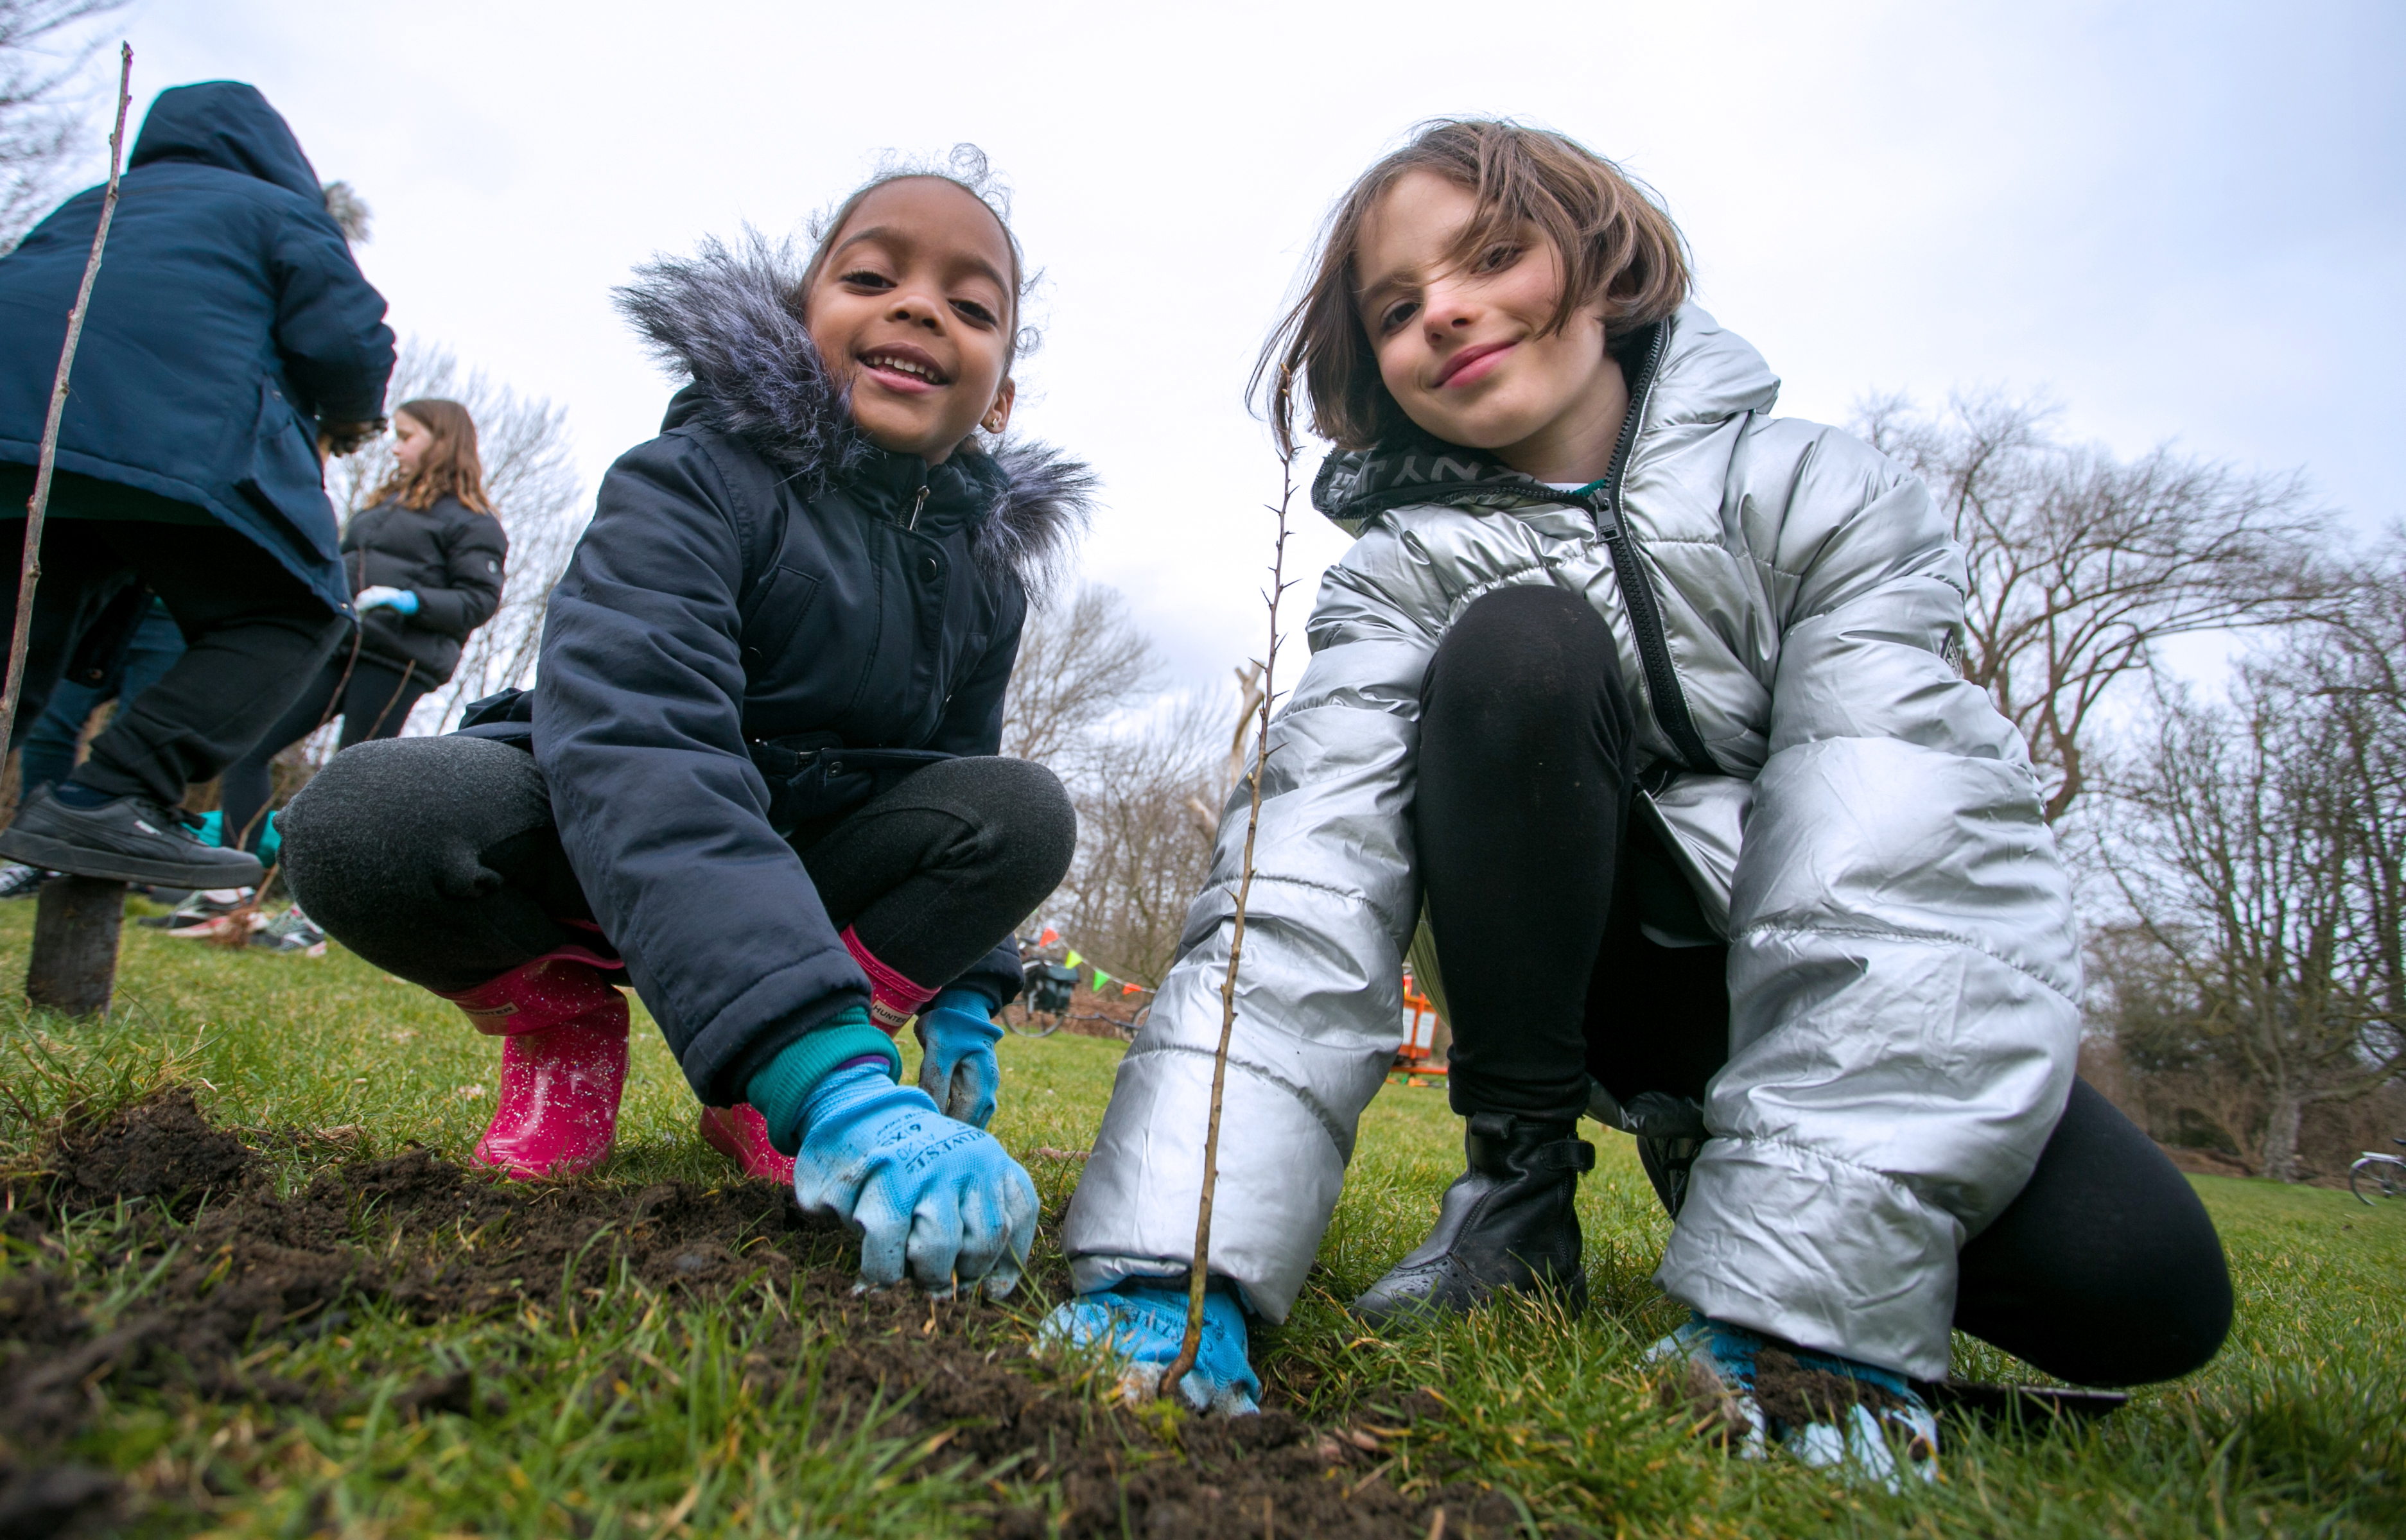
column 965, row 168
column 1615, row 243
column 449, row 468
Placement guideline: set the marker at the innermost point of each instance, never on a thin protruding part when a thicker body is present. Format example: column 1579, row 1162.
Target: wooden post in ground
column 77, row 921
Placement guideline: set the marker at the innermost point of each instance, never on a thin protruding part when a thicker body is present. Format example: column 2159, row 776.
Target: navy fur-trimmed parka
column 760, row 572
column 227, row 322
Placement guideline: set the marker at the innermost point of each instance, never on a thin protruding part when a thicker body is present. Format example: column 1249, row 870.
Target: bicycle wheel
column 1030, row 1030
column 2381, row 1175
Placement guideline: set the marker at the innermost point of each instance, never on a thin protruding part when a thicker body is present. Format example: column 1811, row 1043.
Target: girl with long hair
column 425, row 560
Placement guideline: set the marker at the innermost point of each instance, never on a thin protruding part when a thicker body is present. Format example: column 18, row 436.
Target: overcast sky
column 2183, row 220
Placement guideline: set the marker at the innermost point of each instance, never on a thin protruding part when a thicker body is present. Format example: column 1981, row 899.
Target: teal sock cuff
column 778, row 1091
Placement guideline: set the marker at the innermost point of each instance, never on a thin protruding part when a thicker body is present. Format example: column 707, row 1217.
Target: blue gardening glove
column 958, row 1069
column 377, row 596
column 1145, row 1322
column 914, row 1185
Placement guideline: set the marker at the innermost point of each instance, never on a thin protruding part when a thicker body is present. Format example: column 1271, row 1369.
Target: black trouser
column 1541, row 885
column 374, row 699
column 253, row 631
column 437, row 859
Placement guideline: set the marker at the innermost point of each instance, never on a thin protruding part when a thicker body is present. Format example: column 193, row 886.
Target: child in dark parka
column 758, row 771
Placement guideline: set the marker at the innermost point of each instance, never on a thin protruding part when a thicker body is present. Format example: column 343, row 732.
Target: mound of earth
column 251, row 1263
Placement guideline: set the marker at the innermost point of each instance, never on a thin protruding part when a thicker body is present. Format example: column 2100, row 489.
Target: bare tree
column 44, row 49
column 2267, row 866
column 2082, row 564
column 537, row 492
column 1081, row 665
column 1144, row 852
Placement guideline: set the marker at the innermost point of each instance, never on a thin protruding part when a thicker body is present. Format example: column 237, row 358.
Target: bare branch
column 1081, row 665
column 2265, row 863
column 2081, row 563
column 29, row 570
column 45, row 49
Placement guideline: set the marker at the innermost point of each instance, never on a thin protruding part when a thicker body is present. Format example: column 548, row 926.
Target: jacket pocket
column 783, row 604
column 285, row 481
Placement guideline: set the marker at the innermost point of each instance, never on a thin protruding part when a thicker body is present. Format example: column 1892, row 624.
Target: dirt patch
column 439, row 1242
column 160, row 1149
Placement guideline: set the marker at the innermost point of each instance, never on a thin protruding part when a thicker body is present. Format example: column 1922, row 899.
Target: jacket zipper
column 917, row 503
column 1637, row 589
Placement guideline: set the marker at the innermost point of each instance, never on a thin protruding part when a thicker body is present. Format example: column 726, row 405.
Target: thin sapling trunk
column 1199, row 1276
column 29, row 569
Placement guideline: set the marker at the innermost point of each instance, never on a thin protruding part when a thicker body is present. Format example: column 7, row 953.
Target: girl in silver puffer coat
column 1633, row 715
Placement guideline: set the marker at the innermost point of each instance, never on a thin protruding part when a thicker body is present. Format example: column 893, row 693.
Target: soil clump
column 1793, row 1395
column 240, row 1263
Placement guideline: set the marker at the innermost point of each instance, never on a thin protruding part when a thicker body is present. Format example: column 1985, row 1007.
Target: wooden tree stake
column 77, row 921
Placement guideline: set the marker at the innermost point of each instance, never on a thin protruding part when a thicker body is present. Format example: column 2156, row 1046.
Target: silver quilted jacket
column 1856, row 820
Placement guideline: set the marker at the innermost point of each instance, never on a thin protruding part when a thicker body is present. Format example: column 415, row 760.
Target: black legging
column 437, row 859
column 2106, row 1270
column 376, row 698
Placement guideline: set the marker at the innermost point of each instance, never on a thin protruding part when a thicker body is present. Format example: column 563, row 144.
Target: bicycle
column 2384, row 1173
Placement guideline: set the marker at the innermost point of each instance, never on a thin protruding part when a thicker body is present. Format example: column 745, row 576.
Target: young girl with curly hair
column 759, row 770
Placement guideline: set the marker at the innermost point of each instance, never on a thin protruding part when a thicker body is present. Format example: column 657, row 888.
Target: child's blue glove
column 377, row 596
column 958, row 1069
column 914, row 1186
column 1145, row 1322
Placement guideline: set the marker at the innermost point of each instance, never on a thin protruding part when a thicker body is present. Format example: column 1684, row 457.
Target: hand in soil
column 1144, row 1323
column 1831, row 1412
column 921, row 1191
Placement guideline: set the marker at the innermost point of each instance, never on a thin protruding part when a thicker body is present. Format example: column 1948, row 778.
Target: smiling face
column 1463, row 344
column 912, row 312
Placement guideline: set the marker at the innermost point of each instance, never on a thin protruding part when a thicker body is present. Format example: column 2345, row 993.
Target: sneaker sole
column 40, row 850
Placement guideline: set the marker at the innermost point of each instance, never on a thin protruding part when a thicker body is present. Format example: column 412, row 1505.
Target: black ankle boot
column 1508, row 1222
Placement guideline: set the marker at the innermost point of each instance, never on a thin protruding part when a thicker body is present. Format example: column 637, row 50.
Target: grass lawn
column 612, row 1403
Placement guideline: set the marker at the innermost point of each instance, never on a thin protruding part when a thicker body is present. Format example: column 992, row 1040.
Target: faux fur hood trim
column 724, row 318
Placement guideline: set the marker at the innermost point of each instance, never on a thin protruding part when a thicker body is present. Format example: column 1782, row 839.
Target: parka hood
column 227, row 124
column 1683, row 373
column 726, row 318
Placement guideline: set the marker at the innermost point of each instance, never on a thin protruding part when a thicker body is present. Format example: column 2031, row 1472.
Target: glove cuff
column 961, row 998
column 780, row 1089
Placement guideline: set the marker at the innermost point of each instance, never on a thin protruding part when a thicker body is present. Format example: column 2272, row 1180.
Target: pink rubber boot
column 563, row 1064
column 893, row 1000
column 742, row 1135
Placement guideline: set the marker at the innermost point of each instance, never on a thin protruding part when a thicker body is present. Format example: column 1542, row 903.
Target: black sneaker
column 130, row 839
column 21, row 881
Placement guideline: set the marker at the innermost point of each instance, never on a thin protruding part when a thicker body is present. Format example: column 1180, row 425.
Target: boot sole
column 41, row 850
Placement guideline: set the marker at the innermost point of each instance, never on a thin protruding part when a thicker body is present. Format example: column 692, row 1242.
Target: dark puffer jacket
column 760, row 572
column 228, row 321
column 449, row 556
